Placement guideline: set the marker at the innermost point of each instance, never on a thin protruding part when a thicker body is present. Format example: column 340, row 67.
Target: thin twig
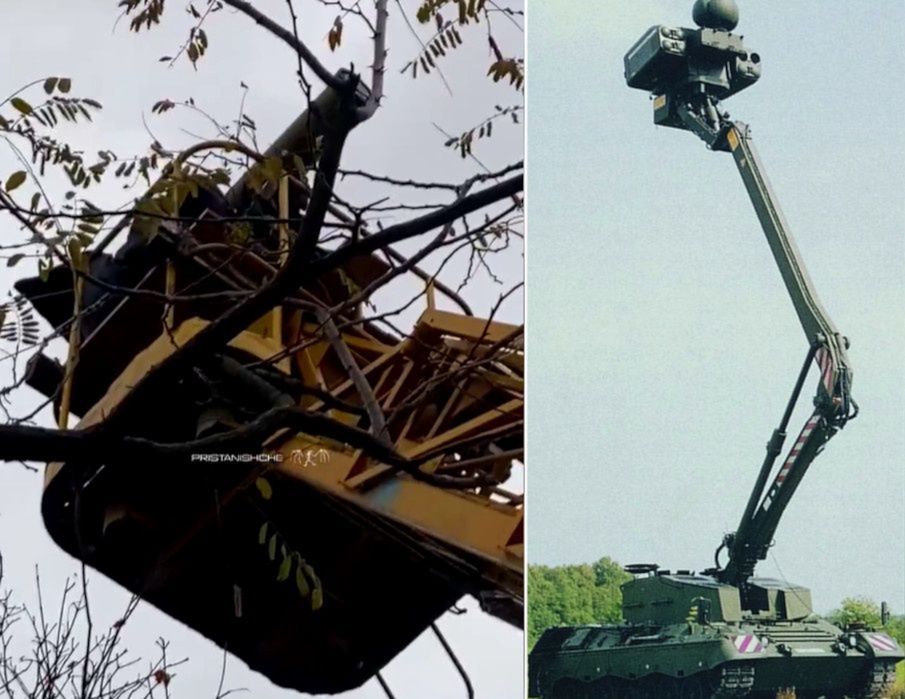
column 298, row 46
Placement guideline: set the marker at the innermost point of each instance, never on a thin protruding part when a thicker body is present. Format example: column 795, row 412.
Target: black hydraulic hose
column 799, row 384
column 849, row 405
column 385, row 686
column 716, row 556
column 449, row 652
column 774, row 448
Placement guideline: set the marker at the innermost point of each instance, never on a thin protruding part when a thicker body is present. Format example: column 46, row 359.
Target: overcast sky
column 78, row 40
column 662, row 344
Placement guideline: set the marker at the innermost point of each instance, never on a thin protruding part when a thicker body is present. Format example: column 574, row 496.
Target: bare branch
column 378, row 69
column 282, row 33
column 421, row 225
column 359, row 380
column 23, row 442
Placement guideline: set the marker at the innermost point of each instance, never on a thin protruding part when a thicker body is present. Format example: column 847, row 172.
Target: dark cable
column 452, row 656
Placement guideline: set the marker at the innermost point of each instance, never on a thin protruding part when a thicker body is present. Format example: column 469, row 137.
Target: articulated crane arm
column 688, row 71
column 833, row 404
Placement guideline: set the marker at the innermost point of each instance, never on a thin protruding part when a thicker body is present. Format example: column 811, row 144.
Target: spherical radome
column 716, row 14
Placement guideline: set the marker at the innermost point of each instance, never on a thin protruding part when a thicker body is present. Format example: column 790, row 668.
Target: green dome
column 716, row 14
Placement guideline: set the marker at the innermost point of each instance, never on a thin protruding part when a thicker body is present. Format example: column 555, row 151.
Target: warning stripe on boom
column 827, row 369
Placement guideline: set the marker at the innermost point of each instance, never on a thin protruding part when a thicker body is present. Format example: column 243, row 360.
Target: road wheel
column 633, row 691
column 650, row 688
column 603, row 689
column 692, row 688
column 560, row 690
column 668, row 688
column 567, row 689
column 642, row 689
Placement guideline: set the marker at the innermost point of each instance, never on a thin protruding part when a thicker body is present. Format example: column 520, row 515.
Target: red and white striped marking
column 882, row 642
column 827, row 370
column 806, row 432
column 747, row 644
column 827, row 378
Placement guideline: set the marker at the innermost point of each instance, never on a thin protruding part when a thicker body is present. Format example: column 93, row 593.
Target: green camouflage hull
column 688, row 661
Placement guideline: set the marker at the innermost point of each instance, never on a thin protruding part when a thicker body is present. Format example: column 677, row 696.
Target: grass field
column 899, row 692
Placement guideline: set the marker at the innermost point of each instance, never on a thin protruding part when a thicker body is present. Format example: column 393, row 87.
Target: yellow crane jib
column 313, row 495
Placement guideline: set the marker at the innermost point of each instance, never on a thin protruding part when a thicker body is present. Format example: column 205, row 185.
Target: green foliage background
column 867, row 611
column 574, row 594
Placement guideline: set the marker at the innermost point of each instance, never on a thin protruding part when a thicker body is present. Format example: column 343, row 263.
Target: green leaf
column 14, row 259
column 22, row 106
column 65, row 85
column 301, row 583
column 262, row 533
column 310, row 574
column 220, row 176
column 285, row 569
column 317, row 599
column 50, row 85
column 272, row 548
column 43, row 270
column 264, row 488
column 348, row 282
column 15, row 180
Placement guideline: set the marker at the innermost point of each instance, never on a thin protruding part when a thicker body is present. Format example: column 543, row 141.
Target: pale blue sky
column 662, row 345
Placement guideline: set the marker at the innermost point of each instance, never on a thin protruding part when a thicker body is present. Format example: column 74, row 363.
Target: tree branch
column 420, row 225
column 27, row 443
column 319, row 69
column 359, row 380
column 378, row 68
column 239, row 317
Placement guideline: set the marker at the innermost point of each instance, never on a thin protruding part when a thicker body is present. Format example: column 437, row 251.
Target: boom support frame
column 698, row 112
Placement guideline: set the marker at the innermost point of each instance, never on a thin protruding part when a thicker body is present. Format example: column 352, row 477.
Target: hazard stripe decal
column 806, row 432
column 748, row 644
column 828, row 380
column 827, row 369
column 881, row 642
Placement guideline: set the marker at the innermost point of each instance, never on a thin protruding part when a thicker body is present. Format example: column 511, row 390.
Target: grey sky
column 60, row 37
column 662, row 345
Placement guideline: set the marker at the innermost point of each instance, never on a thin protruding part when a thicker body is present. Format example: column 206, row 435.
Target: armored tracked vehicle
column 688, row 636
column 725, row 632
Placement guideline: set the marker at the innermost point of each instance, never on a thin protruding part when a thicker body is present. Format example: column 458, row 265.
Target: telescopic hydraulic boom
column 833, row 404
column 689, row 71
